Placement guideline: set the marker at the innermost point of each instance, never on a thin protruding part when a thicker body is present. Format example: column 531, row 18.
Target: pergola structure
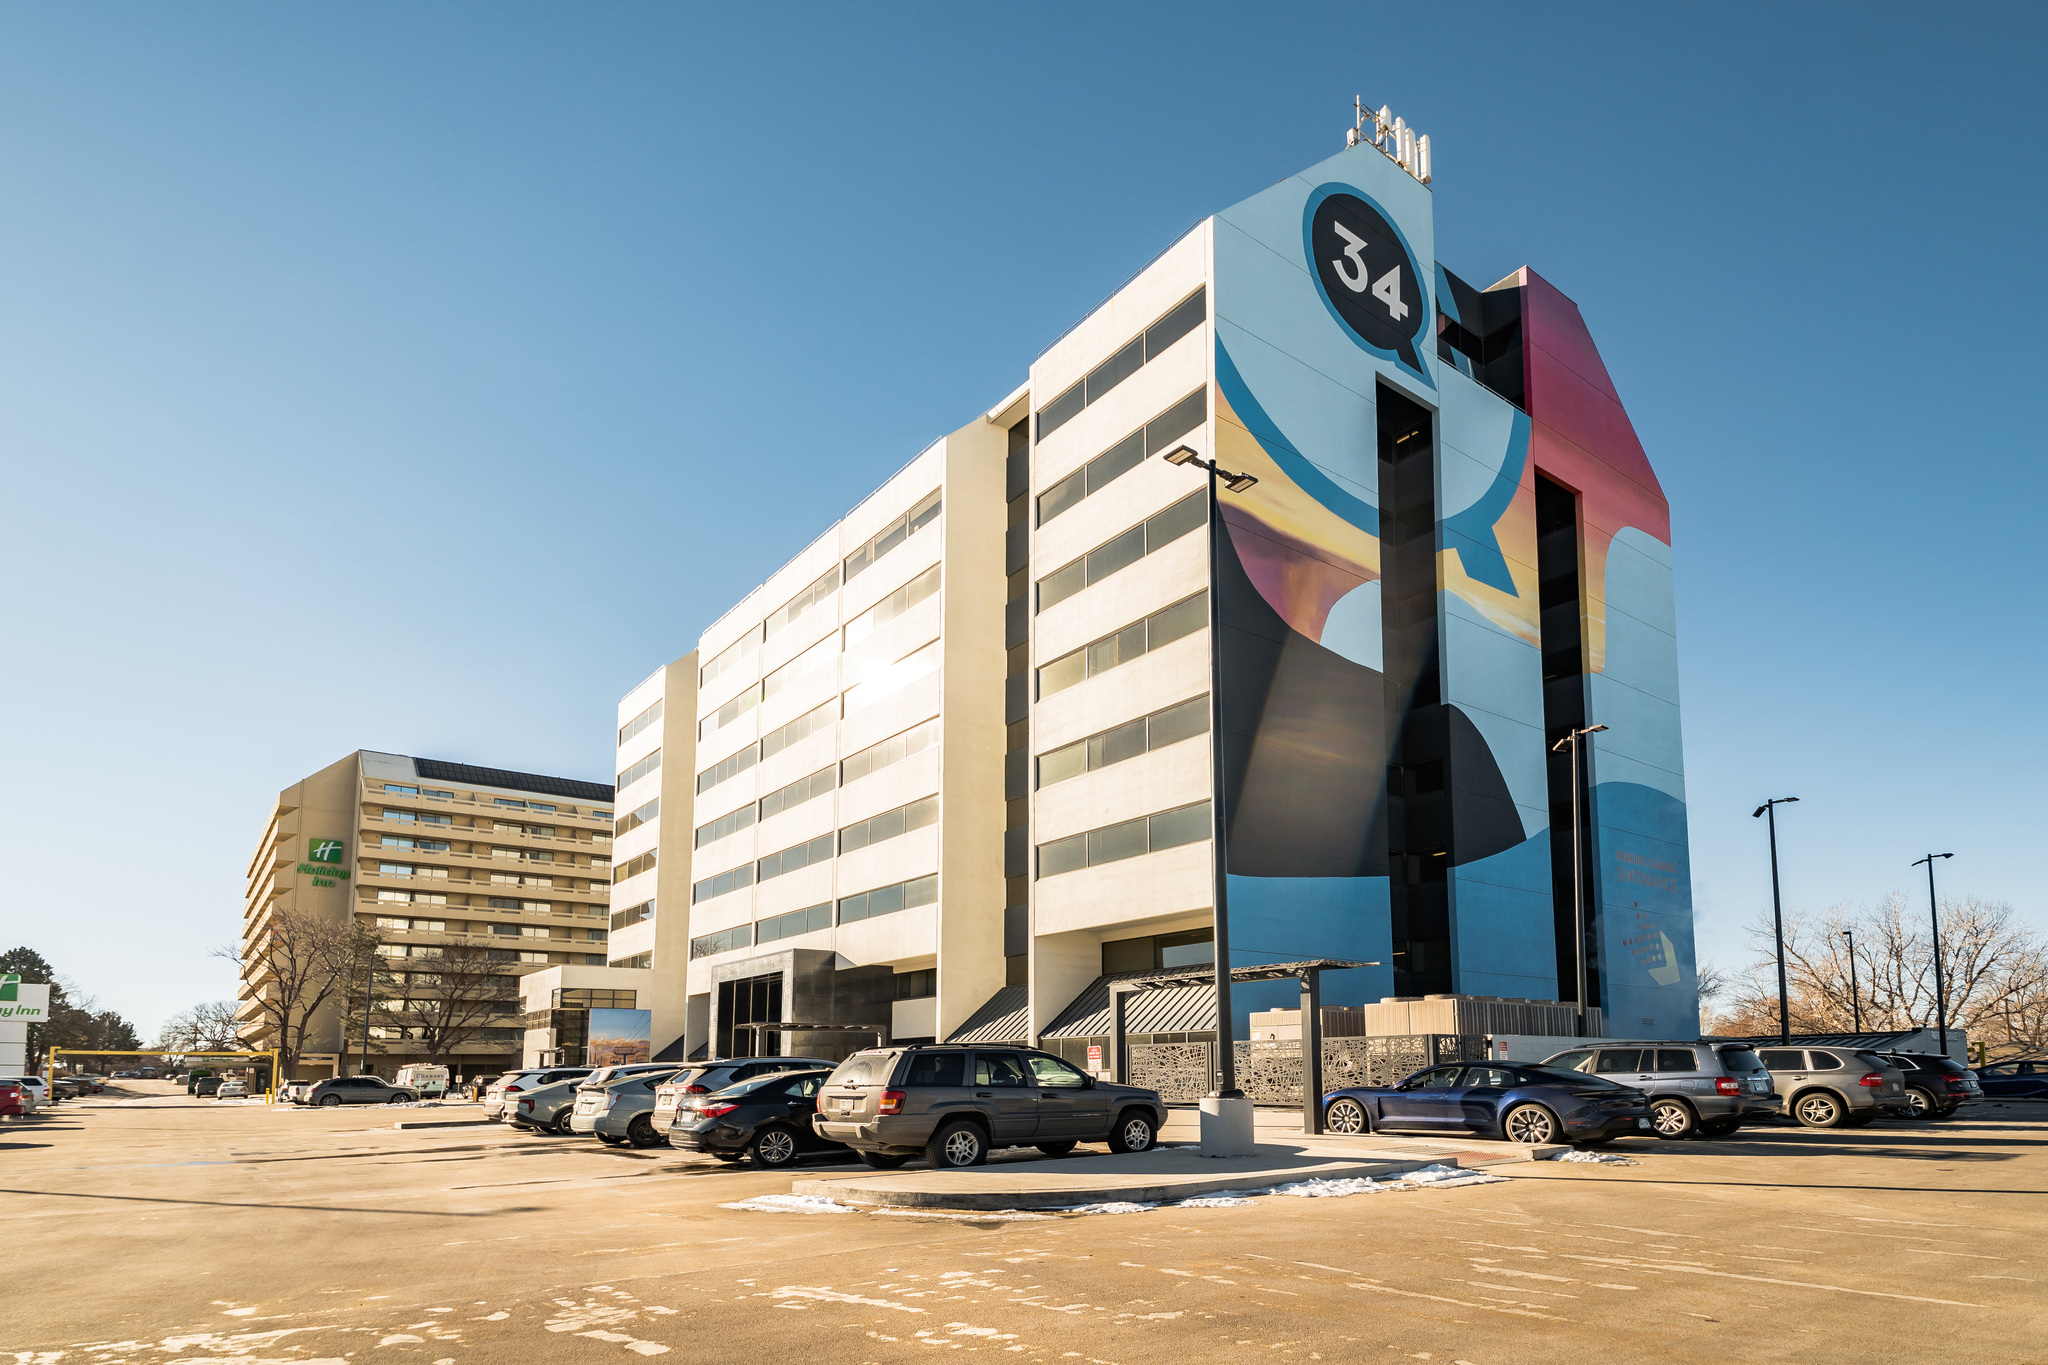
column 1309, row 973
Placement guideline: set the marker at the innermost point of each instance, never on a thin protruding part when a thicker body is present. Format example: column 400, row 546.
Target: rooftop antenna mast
column 1393, row 138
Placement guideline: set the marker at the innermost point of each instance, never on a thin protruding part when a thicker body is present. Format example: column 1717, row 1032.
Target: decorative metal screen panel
column 1181, row 1072
column 1270, row 1072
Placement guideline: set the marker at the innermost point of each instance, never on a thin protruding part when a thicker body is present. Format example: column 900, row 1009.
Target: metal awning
column 1269, row 971
column 1004, row 1018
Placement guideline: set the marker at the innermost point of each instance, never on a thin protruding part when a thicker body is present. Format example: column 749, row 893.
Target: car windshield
column 1557, row 1075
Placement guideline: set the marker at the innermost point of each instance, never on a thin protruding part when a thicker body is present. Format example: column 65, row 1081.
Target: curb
column 854, row 1191
column 440, row 1123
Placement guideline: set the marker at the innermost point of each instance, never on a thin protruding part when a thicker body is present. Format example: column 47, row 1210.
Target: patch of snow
column 1113, row 1206
column 1227, row 1199
column 789, row 1203
column 1602, row 1158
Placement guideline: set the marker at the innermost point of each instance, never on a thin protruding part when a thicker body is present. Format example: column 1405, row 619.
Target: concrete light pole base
column 1227, row 1126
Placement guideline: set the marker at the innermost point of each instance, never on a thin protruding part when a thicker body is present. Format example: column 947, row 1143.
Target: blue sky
column 421, row 377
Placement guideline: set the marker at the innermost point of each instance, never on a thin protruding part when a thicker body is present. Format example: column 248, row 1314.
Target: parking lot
column 161, row 1228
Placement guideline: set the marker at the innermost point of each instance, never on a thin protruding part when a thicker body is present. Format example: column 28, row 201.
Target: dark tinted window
column 1441, row 1078
column 936, row 1068
column 1569, row 1061
column 1824, row 1061
column 1676, row 1059
column 1778, row 1059
column 1619, row 1059
column 1739, row 1060
column 1490, row 1075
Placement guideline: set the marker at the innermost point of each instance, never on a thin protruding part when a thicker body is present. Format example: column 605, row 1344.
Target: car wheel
column 1347, row 1116
column 396, row 1099
column 881, row 1161
column 773, row 1148
column 1819, row 1110
column 1923, row 1105
column 957, row 1145
column 1672, row 1120
column 1531, row 1125
column 640, row 1132
column 330, row 1101
column 1055, row 1148
column 1720, row 1128
column 563, row 1118
column 1134, row 1132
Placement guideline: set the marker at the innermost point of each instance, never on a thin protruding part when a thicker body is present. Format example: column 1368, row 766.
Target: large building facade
column 962, row 743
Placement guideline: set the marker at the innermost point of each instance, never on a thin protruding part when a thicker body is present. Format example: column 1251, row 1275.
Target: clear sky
column 419, row 378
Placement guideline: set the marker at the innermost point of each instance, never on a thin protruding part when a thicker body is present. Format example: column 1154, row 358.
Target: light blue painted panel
column 1504, row 934
column 1643, row 882
column 1497, row 680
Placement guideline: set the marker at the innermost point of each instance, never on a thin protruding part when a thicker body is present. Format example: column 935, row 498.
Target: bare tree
column 210, row 1026
column 298, row 964
column 451, row 1001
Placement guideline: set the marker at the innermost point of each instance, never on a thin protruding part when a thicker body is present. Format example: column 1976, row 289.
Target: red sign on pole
column 1095, row 1057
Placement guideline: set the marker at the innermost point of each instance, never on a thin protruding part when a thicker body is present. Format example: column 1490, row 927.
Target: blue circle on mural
column 1367, row 276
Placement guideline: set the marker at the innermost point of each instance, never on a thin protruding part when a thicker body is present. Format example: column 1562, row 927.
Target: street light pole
column 1855, row 1000
column 1573, row 740
column 1940, row 984
column 1219, row 833
column 1770, row 810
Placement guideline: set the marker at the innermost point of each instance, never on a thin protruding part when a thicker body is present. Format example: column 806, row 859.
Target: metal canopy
column 1270, row 971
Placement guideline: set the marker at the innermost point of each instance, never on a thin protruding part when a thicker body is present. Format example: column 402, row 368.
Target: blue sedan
column 1527, row 1104
column 2022, row 1080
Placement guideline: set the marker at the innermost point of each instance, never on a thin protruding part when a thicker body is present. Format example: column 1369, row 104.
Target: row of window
column 640, row 960
column 883, row 900
column 1121, row 551
column 796, row 606
column 1128, row 839
column 532, row 958
column 633, row 867
column 421, row 817
column 890, row 751
column 1134, row 641
column 879, row 682
column 898, row 531
column 430, row 793
column 509, row 803
column 869, row 760
column 1155, row 436
column 1190, row 313
column 1129, row 740
column 633, row 819
column 793, row 858
column 889, row 824
column 640, row 722
column 891, row 607
column 633, row 914
column 415, row 845
column 798, row 792
column 638, row 771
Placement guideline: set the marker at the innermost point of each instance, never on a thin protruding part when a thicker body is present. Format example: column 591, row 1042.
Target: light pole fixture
column 1770, row 810
column 1855, row 1000
column 1940, row 984
column 1226, row 1057
column 1572, row 740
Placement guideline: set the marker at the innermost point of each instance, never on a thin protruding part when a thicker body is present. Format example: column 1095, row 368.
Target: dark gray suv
column 954, row 1104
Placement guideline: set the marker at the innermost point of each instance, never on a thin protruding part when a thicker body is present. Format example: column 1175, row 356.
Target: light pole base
column 1227, row 1126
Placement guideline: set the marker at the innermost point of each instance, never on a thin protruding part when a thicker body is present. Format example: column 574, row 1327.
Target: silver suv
column 1836, row 1087
column 953, row 1105
column 1707, row 1088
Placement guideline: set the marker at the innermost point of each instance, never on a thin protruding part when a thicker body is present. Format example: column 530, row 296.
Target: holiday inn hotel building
column 949, row 769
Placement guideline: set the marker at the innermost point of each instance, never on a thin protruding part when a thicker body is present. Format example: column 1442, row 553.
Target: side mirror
column 1087, row 1082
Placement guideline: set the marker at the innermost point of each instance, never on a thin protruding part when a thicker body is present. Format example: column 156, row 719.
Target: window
column 1053, row 1074
column 633, row 819
column 395, row 869
column 535, row 805
column 885, row 900
column 709, row 945
column 387, row 922
column 1128, row 839
column 804, row 726
column 797, row 792
column 434, row 818
column 892, row 606
column 506, row 930
column 999, row 1069
column 1823, row 1061
column 818, row 659
column 641, row 960
column 591, row 998
column 1154, row 632
column 1618, row 1059
column 1190, row 313
column 729, row 713
column 403, row 817
column 732, row 822
column 936, row 1068
column 889, row 824
column 795, row 922
column 724, row 769
column 898, row 531
column 508, row 803
column 731, row 657
column 1155, row 436
column 640, row 722
column 918, row 985
column 803, row 601
column 402, row 791
column 640, row 769
column 504, row 903
column 1123, row 550
column 634, row 914
column 1676, row 1059
column 1569, row 1061
column 527, row 855
column 595, row 935
column 741, row 876
column 892, row 750
column 889, row 680
column 600, row 815
column 633, row 867
column 796, row 856
column 1140, row 736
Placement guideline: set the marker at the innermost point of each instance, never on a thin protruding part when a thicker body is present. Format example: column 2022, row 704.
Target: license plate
column 841, row 1104
column 1758, row 1087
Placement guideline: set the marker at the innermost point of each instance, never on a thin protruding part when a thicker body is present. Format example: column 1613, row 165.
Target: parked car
column 232, row 1090
column 953, row 1104
column 341, row 1090
column 206, row 1087
column 90, row 1084
column 1936, row 1086
column 1520, row 1102
column 2021, row 1080
column 14, row 1100
column 1835, row 1087
column 124, row 1075
column 766, row 1119
column 1707, row 1088
column 34, row 1089
column 544, row 1107
column 499, row 1098
column 620, row 1109
column 702, row 1078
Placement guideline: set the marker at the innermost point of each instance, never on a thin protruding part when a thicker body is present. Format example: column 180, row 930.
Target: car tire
column 1924, row 1105
column 330, row 1101
column 1134, row 1132
column 640, row 1132
column 1720, row 1128
column 881, row 1161
column 1055, row 1148
column 1819, row 1109
column 563, row 1118
column 956, row 1146
column 397, row 1099
column 1347, row 1116
column 1673, row 1120
column 773, row 1149
column 1531, row 1125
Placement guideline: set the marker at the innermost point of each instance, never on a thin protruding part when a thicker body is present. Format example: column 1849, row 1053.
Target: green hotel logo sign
column 323, row 861
column 23, row 1002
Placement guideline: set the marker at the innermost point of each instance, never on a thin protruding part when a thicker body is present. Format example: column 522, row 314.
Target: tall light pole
column 1226, row 1056
column 1573, row 740
column 1770, row 809
column 1855, row 1000
column 1940, row 985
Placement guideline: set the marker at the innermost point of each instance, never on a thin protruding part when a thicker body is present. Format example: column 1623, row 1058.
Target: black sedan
column 767, row 1119
column 1528, row 1104
column 2021, row 1080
